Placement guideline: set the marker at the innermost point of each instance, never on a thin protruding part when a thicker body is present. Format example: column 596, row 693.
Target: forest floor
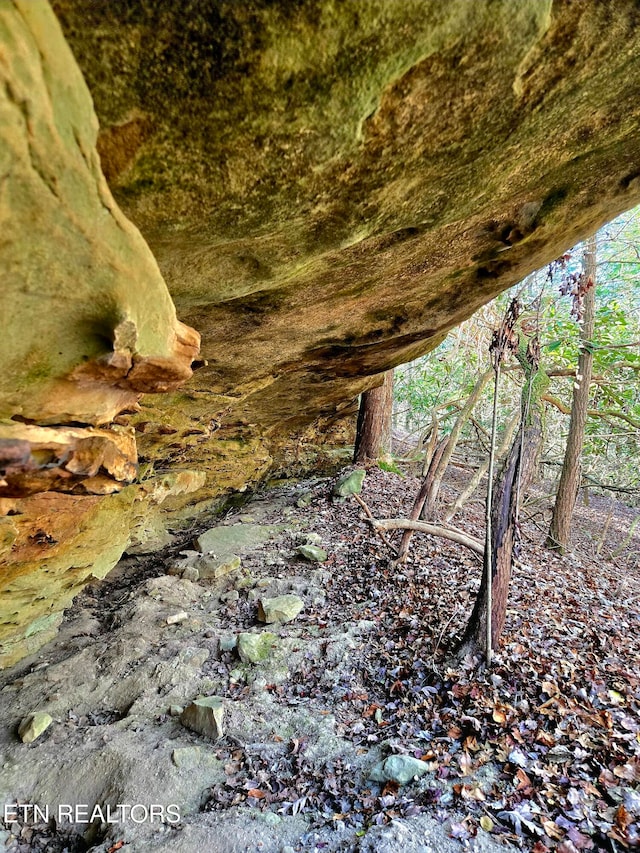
column 540, row 753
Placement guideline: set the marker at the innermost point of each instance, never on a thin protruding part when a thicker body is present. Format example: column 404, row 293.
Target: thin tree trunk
column 431, row 445
column 504, row 528
column 560, row 528
column 488, row 556
column 452, row 441
column 373, row 435
column 516, row 477
column 474, row 482
column 421, row 497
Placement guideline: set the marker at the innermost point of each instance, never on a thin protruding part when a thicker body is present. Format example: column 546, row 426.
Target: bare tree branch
column 432, row 529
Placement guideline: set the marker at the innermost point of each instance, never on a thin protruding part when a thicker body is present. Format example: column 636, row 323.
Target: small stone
column 350, row 484
column 214, row 567
column 33, row 726
column 231, row 596
column 312, row 538
column 312, row 553
column 228, row 643
column 399, row 768
column 272, row 819
column 190, row 555
column 282, row 608
column 177, row 617
column 205, row 716
column 244, row 582
column 236, row 675
column 254, row 648
column 191, row 574
column 559, row 754
column 175, row 710
column 246, row 519
column 187, row 756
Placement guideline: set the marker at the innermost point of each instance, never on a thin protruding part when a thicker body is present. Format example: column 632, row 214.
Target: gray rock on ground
column 282, row 608
column 254, row 648
column 398, row 768
column 205, row 716
column 225, row 541
column 33, row 725
column 312, row 553
column 190, row 573
column 228, row 642
column 212, row 566
column 350, row 484
column 308, row 537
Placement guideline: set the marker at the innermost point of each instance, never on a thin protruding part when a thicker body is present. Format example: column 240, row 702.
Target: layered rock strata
column 326, row 188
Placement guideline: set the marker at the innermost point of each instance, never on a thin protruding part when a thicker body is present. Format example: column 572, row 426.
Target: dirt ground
column 540, row 753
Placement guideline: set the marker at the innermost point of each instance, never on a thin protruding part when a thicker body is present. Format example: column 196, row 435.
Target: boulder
column 227, row 540
column 349, row 484
column 211, row 566
column 312, row 553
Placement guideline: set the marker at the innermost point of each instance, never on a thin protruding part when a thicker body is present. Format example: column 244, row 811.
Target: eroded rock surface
column 88, row 326
column 326, row 189
column 88, row 320
column 124, row 689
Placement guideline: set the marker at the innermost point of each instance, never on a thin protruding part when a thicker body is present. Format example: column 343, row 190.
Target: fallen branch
column 373, row 522
column 432, row 529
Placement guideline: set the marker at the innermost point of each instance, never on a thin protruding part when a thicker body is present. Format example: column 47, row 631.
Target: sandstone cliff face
column 88, row 325
column 326, row 188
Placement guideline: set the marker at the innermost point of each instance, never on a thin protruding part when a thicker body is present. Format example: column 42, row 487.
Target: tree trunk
column 429, row 507
column 560, row 528
column 373, row 436
column 520, row 464
column 429, row 442
column 516, row 477
column 474, row 482
column 421, row 497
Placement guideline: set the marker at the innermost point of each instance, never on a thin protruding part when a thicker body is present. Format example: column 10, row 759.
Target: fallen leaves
column 544, row 750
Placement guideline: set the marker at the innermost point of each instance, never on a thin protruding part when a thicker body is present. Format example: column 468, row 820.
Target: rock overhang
column 325, row 188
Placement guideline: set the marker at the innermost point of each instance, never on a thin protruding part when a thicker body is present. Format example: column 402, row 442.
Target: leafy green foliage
column 440, row 381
